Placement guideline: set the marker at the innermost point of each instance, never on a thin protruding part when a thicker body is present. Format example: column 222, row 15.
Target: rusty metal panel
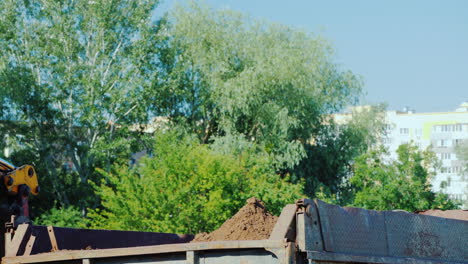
column 285, row 227
column 253, row 256
column 175, row 258
column 411, row 235
column 385, row 235
column 309, row 233
column 329, row 257
column 171, row 253
column 212, row 256
column 301, row 234
column 352, row 230
column 245, row 256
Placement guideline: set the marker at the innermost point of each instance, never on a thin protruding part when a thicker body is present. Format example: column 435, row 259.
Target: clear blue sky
column 410, row 53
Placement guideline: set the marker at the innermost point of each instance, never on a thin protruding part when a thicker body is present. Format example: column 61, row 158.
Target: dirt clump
column 252, row 222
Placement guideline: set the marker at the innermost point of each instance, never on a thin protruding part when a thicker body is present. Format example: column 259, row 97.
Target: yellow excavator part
column 22, row 175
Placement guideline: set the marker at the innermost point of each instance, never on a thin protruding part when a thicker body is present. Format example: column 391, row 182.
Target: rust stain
column 424, row 244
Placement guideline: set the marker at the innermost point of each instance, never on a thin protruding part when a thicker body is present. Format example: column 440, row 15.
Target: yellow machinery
column 18, row 183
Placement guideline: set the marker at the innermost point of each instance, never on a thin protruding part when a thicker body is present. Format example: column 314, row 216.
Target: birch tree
column 72, row 80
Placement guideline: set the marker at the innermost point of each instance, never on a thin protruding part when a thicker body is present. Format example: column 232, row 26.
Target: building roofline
column 428, row 113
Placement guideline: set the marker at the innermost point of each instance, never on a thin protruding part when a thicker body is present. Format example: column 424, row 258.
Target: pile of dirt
column 453, row 214
column 252, row 222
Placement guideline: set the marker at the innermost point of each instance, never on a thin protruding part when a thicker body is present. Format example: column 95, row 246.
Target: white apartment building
column 443, row 131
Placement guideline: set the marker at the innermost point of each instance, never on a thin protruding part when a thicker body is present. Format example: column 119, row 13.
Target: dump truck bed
column 252, row 251
column 306, row 232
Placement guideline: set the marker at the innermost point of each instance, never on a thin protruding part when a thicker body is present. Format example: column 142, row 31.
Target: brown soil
column 252, row 222
column 454, row 214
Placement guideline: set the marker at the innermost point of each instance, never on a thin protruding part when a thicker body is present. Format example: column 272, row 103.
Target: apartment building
column 442, row 131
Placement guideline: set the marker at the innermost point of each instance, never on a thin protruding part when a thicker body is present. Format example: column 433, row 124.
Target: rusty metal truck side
column 306, row 232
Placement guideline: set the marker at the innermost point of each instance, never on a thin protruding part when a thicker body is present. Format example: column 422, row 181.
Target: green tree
column 187, row 188
column 81, row 79
column 384, row 184
column 224, row 74
column 73, row 76
column 462, row 154
column 62, row 217
column 331, row 154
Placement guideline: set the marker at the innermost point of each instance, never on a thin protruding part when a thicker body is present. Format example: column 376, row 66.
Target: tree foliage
column 62, row 217
column 72, row 79
column 81, row 80
column 226, row 74
column 186, row 187
column 331, row 154
column 462, row 154
column 384, row 184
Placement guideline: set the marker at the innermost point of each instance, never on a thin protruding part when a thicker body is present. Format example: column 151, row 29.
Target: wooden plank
column 29, row 245
column 134, row 251
column 12, row 245
column 7, row 237
column 53, row 240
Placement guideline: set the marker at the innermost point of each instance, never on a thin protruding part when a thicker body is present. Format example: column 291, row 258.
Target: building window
column 443, row 143
column 446, row 170
column 449, row 128
column 456, row 196
column 446, row 155
column 404, row 131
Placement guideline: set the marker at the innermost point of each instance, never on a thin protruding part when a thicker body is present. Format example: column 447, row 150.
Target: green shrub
column 187, row 188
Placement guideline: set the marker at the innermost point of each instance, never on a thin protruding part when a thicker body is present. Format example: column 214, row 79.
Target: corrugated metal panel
column 411, row 235
column 352, row 230
column 392, row 234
